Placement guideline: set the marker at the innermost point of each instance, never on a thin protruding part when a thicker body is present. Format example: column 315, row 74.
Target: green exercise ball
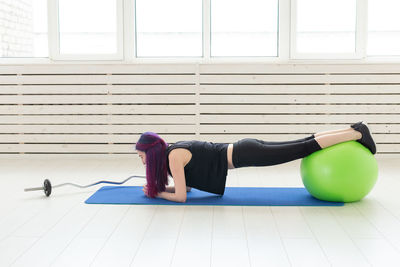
column 345, row 172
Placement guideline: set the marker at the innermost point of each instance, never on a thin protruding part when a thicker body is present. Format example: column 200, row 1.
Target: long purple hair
column 156, row 162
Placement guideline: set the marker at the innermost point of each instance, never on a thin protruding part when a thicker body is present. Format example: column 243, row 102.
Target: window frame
column 377, row 56
column 250, row 57
column 134, row 47
column 54, row 36
column 126, row 41
column 359, row 52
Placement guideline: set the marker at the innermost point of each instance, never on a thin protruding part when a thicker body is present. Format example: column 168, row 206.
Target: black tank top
column 208, row 167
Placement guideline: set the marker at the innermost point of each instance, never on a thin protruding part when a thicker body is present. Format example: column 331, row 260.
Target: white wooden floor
column 63, row 231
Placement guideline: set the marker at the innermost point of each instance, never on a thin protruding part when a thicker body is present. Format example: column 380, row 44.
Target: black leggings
column 253, row 152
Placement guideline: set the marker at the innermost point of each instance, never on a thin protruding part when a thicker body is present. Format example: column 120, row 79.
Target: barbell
column 47, row 187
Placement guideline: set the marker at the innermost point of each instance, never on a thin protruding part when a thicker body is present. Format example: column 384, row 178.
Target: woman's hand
column 164, row 195
column 145, row 190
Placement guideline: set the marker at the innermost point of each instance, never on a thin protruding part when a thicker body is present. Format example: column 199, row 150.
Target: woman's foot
column 366, row 139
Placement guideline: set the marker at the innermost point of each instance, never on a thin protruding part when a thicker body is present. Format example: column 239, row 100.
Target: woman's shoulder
column 180, row 154
column 180, row 144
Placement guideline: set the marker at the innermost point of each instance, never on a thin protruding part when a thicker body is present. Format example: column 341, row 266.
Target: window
column 88, row 27
column 23, row 28
column 244, row 28
column 383, row 27
column 45, row 30
column 170, row 28
column 325, row 27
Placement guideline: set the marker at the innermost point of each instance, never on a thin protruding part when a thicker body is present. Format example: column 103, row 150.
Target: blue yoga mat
column 234, row 196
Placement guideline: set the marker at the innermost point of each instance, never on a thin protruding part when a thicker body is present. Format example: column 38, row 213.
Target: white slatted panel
column 284, row 102
column 94, row 109
column 100, row 109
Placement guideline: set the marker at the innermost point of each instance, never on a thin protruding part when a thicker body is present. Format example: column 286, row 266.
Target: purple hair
column 156, row 163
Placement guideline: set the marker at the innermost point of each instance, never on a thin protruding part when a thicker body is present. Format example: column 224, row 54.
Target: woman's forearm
column 170, row 197
column 170, row 189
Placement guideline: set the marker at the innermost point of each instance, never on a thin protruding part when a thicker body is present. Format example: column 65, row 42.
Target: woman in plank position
column 204, row 165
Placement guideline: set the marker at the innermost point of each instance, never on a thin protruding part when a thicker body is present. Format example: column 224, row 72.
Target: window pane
column 88, row 30
column 383, row 27
column 244, row 28
column 326, row 26
column 23, row 28
column 168, row 28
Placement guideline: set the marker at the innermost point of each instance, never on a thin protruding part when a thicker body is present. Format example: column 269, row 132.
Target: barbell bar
column 47, row 187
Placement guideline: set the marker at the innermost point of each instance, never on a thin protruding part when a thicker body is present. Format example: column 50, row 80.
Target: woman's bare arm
column 171, row 189
column 176, row 164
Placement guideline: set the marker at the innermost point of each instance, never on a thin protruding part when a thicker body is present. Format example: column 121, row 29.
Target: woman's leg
column 360, row 129
column 318, row 137
column 287, row 142
column 332, row 131
column 308, row 137
column 254, row 152
column 326, row 140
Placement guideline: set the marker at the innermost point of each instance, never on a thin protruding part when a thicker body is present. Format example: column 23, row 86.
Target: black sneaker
column 366, row 139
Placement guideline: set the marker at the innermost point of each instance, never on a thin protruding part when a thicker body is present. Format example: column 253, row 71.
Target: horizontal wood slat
column 188, row 119
column 98, row 68
column 300, row 79
column 299, row 69
column 300, row 128
column 96, row 99
column 202, row 68
column 103, row 108
column 104, row 149
column 98, row 129
column 67, row 148
column 97, row 89
column 230, row 138
column 98, row 119
column 96, row 79
column 303, row 99
column 185, row 99
column 255, row 119
column 142, row 109
column 132, row 138
column 298, row 109
column 203, row 109
column 87, row 138
column 299, row 89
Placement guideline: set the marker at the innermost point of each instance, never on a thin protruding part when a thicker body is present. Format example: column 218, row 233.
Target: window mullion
column 129, row 30
column 120, row 30
column 362, row 28
column 284, row 30
column 206, row 29
column 53, row 29
column 293, row 28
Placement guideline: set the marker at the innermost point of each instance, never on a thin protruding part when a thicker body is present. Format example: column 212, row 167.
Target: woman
column 204, row 165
